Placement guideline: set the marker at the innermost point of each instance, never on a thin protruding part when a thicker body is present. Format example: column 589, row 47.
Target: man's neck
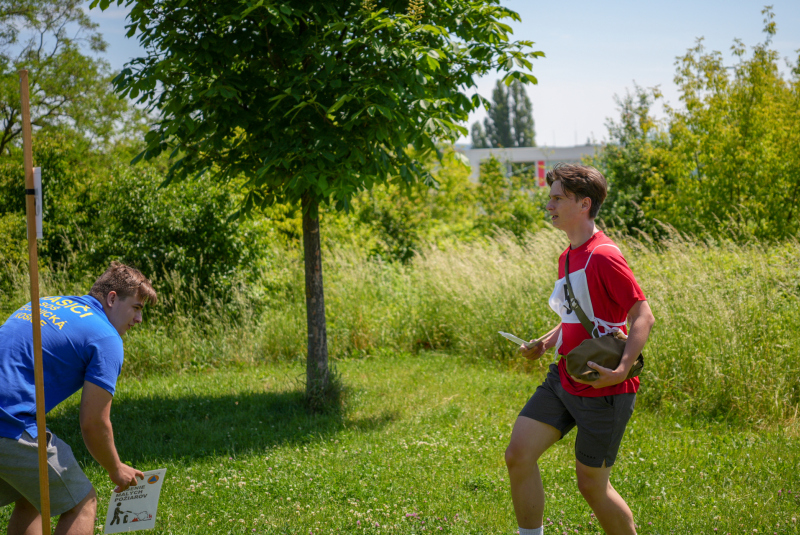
column 581, row 233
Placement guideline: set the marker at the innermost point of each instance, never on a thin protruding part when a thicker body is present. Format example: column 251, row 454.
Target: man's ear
column 111, row 298
column 586, row 203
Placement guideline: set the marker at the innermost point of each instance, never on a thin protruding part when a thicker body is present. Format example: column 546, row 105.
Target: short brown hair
column 125, row 281
column 581, row 181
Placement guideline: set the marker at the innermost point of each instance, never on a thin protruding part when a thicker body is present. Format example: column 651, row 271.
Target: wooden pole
column 33, row 263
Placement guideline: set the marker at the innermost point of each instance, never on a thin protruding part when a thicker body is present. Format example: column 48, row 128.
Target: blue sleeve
column 104, row 362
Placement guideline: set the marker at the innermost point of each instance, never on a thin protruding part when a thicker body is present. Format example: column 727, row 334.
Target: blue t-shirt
column 78, row 344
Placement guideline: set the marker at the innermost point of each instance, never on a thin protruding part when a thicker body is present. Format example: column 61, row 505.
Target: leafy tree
column 400, row 221
column 312, row 101
column 513, row 204
column 737, row 135
column 509, row 121
column 67, row 87
column 726, row 162
column 637, row 156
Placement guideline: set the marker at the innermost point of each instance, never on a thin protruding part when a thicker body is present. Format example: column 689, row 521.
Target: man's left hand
column 608, row 377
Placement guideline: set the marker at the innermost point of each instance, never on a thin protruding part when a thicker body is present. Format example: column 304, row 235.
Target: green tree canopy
column 739, row 137
column 68, row 88
column 509, row 121
column 312, row 101
column 638, row 152
column 725, row 162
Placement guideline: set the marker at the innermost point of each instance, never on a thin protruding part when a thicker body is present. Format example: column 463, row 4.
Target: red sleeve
column 617, row 278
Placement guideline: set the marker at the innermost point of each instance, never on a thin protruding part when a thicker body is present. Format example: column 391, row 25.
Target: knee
column 517, row 455
column 592, row 487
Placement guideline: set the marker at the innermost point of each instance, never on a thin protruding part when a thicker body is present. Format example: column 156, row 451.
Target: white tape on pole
column 37, row 185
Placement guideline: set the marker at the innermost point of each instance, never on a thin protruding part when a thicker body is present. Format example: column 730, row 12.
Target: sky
column 593, row 51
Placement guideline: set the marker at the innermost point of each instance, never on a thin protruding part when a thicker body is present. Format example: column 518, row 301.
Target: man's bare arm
column 641, row 322
column 98, row 435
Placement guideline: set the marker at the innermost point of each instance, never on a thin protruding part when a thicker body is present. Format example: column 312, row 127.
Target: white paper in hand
column 514, row 339
column 135, row 508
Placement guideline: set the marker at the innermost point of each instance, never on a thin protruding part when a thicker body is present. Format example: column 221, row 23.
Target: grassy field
column 212, row 391
column 418, row 448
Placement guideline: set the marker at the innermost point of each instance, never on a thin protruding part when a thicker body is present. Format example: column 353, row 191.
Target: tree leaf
column 339, row 103
column 432, row 63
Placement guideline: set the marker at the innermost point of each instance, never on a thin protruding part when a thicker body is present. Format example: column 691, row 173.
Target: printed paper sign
column 135, row 508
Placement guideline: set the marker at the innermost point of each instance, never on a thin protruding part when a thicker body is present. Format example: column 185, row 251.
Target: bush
column 512, row 203
column 181, row 229
column 394, row 223
column 724, row 163
column 93, row 213
column 69, row 191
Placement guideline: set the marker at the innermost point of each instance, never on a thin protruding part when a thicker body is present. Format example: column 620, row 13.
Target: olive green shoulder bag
column 604, row 350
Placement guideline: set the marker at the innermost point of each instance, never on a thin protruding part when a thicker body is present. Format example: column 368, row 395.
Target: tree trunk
column 317, row 376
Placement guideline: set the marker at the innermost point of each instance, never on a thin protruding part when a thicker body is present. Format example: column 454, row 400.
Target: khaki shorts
column 601, row 421
column 19, row 473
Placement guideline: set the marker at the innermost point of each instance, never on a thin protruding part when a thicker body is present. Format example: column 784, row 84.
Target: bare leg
column 610, row 509
column 25, row 519
column 529, row 440
column 80, row 519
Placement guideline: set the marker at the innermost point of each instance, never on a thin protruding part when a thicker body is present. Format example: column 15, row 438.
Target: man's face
column 123, row 313
column 565, row 209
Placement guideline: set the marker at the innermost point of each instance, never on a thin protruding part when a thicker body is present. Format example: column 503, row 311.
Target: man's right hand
column 533, row 350
column 125, row 476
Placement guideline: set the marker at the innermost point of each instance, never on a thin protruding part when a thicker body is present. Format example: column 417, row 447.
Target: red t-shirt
column 606, row 289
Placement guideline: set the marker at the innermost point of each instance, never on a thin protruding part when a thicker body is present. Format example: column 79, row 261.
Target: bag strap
column 576, row 307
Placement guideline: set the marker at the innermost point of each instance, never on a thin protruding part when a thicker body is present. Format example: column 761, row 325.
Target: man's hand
column 608, row 377
column 533, row 350
column 125, row 476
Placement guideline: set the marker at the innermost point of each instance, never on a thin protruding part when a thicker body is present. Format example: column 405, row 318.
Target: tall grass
column 726, row 343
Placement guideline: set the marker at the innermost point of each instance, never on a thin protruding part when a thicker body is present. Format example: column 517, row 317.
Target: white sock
column 537, row 531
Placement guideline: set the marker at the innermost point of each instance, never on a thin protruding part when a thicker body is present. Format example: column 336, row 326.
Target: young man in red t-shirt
column 607, row 292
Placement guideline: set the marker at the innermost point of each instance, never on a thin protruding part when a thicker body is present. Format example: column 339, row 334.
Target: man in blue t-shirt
column 81, row 349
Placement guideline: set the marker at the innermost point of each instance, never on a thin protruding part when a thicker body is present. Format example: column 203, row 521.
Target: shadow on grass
column 152, row 429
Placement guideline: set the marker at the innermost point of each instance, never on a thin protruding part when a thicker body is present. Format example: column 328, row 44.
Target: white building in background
column 539, row 158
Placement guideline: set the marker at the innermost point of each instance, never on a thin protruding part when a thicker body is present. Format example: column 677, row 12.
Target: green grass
column 418, row 447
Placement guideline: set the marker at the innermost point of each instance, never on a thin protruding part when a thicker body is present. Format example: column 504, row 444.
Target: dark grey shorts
column 19, row 473
column 601, row 421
